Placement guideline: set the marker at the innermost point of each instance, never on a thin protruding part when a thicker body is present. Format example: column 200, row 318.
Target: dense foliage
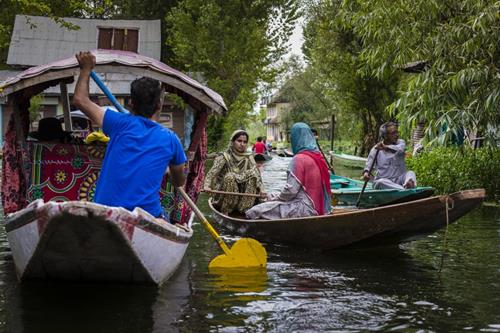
column 234, row 45
column 333, row 51
column 451, row 169
column 457, row 40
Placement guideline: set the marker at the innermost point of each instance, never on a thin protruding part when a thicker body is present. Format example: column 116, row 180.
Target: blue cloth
column 137, row 156
column 302, row 138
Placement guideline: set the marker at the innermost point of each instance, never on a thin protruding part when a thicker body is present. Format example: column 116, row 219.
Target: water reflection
column 403, row 289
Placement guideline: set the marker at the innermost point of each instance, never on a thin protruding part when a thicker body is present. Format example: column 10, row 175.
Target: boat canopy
column 112, row 61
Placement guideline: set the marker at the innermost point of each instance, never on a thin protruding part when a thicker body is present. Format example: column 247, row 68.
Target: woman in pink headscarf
column 307, row 191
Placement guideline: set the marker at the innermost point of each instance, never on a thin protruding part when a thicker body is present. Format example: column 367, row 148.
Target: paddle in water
column 245, row 252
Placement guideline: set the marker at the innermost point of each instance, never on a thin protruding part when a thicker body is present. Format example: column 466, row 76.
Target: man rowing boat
column 390, row 161
column 139, row 151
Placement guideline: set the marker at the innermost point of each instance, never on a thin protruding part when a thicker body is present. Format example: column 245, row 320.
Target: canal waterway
column 446, row 282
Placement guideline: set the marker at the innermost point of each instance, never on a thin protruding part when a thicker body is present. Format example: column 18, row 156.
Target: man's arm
column 81, row 98
column 399, row 147
column 177, row 174
column 369, row 161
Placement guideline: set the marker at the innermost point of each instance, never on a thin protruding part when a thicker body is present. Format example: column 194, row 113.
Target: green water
column 447, row 282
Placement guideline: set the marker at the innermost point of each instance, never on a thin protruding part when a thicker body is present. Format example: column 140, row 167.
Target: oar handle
column 202, row 218
column 106, row 92
column 366, row 181
column 324, row 157
column 233, row 193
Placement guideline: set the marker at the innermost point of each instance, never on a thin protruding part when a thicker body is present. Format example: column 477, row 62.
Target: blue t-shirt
column 137, row 157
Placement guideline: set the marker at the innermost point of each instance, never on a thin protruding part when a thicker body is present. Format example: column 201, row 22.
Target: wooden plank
column 118, row 40
column 132, row 40
column 105, row 38
column 65, row 104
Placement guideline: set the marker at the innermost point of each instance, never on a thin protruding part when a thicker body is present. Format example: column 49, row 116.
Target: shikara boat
column 54, row 230
column 349, row 161
column 345, row 192
column 386, row 225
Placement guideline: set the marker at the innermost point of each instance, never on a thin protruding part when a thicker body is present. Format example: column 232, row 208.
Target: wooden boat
column 359, row 227
column 349, row 161
column 77, row 240
column 54, row 230
column 345, row 192
column 262, row 157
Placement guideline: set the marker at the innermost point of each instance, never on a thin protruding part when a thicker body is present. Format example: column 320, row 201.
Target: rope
column 447, row 208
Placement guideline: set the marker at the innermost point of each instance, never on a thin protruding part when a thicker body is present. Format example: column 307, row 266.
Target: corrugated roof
column 7, row 74
column 39, row 40
column 108, row 57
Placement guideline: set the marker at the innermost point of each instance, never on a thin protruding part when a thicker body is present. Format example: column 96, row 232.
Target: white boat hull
column 90, row 242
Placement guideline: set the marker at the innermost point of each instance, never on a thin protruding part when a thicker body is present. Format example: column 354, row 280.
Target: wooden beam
column 65, row 104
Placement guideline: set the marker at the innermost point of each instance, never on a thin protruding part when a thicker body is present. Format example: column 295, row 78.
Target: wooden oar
column 233, row 193
column 327, row 163
column 245, row 252
column 366, row 181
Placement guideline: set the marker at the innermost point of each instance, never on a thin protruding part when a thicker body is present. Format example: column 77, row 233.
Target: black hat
column 49, row 129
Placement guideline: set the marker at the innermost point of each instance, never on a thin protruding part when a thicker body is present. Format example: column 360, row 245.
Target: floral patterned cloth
column 14, row 178
column 65, row 172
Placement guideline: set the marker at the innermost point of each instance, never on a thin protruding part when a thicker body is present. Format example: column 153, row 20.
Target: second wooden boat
column 345, row 192
column 347, row 227
column 349, row 161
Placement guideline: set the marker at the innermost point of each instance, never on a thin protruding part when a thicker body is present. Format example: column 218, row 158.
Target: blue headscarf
column 302, row 138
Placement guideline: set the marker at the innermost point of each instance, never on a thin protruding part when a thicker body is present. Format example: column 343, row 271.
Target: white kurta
column 391, row 167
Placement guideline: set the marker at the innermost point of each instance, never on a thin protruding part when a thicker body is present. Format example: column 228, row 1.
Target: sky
column 297, row 39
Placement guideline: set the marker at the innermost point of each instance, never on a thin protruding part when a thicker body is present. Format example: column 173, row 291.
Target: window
column 118, row 39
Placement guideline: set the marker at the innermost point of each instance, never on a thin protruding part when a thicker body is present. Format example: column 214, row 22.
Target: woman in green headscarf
column 234, row 171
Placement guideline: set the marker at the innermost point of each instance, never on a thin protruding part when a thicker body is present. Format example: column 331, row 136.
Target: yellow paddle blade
column 245, row 252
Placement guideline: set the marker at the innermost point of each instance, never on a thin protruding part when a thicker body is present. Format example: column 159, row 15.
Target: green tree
column 233, row 44
column 334, row 52
column 457, row 40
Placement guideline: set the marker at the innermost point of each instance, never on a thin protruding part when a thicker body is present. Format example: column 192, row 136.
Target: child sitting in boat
column 234, row 170
column 307, row 191
column 390, row 162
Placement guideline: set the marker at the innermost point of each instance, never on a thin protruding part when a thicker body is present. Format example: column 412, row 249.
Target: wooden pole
column 332, row 131
column 65, row 104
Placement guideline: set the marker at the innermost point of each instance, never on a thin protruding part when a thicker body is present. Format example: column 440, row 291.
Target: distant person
column 315, row 134
column 307, row 190
column 139, row 151
column 234, row 170
column 268, row 146
column 390, row 163
column 259, row 147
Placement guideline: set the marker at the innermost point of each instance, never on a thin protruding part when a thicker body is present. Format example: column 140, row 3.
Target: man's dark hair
column 314, row 131
column 259, row 139
column 145, row 94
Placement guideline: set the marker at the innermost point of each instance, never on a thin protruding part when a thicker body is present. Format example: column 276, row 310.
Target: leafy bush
column 451, row 169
